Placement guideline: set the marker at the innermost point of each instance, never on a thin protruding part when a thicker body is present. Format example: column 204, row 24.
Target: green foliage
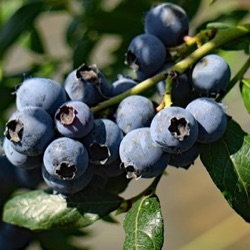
column 143, row 225
column 227, row 162
column 41, row 210
column 54, row 219
column 245, row 91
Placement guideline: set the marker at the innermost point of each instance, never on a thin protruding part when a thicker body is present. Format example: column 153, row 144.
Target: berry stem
column 222, row 37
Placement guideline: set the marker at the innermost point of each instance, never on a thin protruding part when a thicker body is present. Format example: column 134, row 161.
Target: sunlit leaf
column 143, row 225
column 40, row 210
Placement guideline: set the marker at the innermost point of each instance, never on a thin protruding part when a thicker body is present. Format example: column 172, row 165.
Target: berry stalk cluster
column 58, row 128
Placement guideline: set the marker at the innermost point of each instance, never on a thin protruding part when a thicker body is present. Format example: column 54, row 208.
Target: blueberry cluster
column 54, row 128
column 173, row 135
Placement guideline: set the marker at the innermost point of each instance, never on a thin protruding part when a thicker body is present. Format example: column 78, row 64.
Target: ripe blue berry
column 74, row 119
column 65, row 158
column 87, row 84
column 146, row 54
column 168, row 22
column 122, row 84
column 30, row 130
column 103, row 142
column 174, row 129
column 182, row 90
column 186, row 158
column 42, row 93
column 211, row 118
column 140, row 156
column 211, row 74
column 21, row 160
column 68, row 187
column 134, row 112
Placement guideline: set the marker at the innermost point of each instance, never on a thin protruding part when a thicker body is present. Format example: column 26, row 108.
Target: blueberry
column 30, row 130
column 134, row 112
column 42, row 93
column 168, row 22
column 80, row 90
column 185, row 159
column 211, row 74
column 182, row 90
column 68, row 187
column 146, row 55
column 65, row 158
column 122, row 84
column 140, row 156
column 74, row 119
column 174, row 129
column 21, row 160
column 103, row 142
column 87, row 84
column 211, row 118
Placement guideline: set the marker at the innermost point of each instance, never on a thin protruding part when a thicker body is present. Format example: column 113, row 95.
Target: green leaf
column 143, row 225
column 41, row 210
column 227, row 162
column 231, row 18
column 36, row 42
column 19, row 22
column 242, row 43
column 245, row 92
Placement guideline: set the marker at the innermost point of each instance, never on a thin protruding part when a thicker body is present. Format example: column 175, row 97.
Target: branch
column 222, row 37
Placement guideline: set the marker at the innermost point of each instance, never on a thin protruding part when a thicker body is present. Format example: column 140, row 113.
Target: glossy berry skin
column 80, row 90
column 103, row 142
column 68, row 187
column 140, row 156
column 74, row 119
column 211, row 117
column 65, row 159
column 168, row 22
column 174, row 129
column 185, row 159
column 21, row 160
column 211, row 74
column 146, row 54
column 42, row 93
column 30, row 130
column 134, row 112
column 122, row 84
column 87, row 84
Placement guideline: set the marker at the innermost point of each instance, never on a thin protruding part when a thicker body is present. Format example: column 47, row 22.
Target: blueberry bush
column 75, row 134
